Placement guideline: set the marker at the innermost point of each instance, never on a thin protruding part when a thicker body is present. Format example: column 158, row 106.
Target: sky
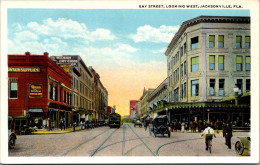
column 125, row 46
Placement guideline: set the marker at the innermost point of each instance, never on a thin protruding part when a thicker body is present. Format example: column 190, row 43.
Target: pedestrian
column 64, row 125
column 217, row 126
column 194, row 126
column 224, row 129
column 61, row 124
column 81, row 125
column 186, row 126
column 182, row 127
column 228, row 135
column 74, row 125
column 145, row 125
column 199, row 125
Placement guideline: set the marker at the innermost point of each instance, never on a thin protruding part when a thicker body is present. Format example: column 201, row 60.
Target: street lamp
column 208, row 115
column 236, row 94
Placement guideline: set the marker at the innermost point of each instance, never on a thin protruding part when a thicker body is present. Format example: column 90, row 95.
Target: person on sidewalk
column 228, row 135
column 208, row 132
column 61, row 124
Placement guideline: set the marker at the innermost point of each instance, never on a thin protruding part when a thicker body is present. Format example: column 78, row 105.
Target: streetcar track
column 76, row 147
column 142, row 141
column 103, row 143
column 157, row 150
column 133, row 148
column 123, row 142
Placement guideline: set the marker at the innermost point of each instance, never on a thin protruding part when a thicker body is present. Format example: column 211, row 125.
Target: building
column 132, row 108
column 81, row 85
column 144, row 103
column 158, row 95
column 39, row 92
column 137, row 108
column 207, row 58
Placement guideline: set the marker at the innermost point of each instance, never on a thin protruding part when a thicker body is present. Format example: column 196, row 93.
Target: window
column 195, row 88
column 247, row 42
column 184, row 67
column 181, row 51
column 181, row 92
column 60, row 92
column 194, row 64
column 211, row 62
column 220, row 41
column 212, row 87
column 185, row 48
column 65, row 97
column 220, row 62
column 211, row 41
column 176, row 91
column 238, row 41
column 181, row 70
column 239, row 63
column 247, row 63
column 177, row 74
column 184, row 90
column 240, row 85
column 247, row 85
column 13, row 89
column 50, row 91
column 55, row 93
column 221, row 87
column 194, row 43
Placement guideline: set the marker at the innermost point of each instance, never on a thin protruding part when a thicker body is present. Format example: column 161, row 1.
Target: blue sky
column 125, row 46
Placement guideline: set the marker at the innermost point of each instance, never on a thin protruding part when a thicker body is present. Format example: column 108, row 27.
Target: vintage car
column 242, row 144
column 159, row 126
column 11, row 139
column 138, row 123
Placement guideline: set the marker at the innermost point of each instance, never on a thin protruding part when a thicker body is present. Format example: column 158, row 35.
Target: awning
column 35, row 110
column 59, row 107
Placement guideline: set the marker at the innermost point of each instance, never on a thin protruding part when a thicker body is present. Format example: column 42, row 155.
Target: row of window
column 239, row 63
column 55, row 94
column 177, row 56
column 175, row 76
column 212, row 88
column 220, row 41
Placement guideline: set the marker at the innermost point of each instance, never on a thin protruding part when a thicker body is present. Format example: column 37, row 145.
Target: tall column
column 203, row 67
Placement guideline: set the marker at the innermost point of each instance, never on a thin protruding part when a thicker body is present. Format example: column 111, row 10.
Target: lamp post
column 208, row 114
column 236, row 94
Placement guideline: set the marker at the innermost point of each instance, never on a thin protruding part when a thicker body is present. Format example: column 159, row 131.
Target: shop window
column 220, row 62
column 247, row 85
column 212, row 87
column 247, row 42
column 221, row 87
column 247, row 63
column 194, row 64
column 238, row 41
column 211, row 41
column 239, row 63
column 50, row 91
column 240, row 86
column 211, row 62
column 13, row 89
column 195, row 88
column 194, row 43
column 220, row 41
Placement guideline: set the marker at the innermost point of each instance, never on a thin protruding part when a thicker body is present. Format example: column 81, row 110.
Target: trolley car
column 114, row 120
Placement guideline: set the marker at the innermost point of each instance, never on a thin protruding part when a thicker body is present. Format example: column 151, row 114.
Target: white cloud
column 67, row 29
column 26, row 36
column 148, row 33
column 159, row 51
column 126, row 47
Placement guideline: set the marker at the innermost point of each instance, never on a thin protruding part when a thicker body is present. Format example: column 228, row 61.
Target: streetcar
column 114, row 120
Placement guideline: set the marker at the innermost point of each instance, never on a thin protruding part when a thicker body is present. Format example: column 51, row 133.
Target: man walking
column 228, row 134
column 208, row 132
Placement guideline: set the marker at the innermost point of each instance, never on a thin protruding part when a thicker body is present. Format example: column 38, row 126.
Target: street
column 125, row 141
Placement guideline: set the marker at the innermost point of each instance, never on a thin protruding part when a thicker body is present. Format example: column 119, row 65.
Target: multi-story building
column 99, row 96
column 132, row 108
column 207, row 58
column 144, row 103
column 81, row 85
column 39, row 92
column 158, row 95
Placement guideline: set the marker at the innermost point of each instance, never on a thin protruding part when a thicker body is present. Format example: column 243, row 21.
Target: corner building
column 39, row 92
column 207, row 58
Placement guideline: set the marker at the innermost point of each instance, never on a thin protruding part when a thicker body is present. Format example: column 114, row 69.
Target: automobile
column 11, row 139
column 242, row 144
column 160, row 126
column 138, row 123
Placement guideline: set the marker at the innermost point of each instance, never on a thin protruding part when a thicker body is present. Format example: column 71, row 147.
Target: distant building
column 144, row 103
column 132, row 108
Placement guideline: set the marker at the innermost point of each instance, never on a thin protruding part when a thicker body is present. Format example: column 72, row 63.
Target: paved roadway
column 125, row 141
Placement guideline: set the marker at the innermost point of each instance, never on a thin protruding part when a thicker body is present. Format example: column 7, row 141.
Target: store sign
column 24, row 69
column 66, row 68
column 35, row 90
column 72, row 60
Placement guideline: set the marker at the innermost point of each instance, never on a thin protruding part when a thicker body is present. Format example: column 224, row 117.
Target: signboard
column 24, row 69
column 72, row 60
column 66, row 67
column 35, row 90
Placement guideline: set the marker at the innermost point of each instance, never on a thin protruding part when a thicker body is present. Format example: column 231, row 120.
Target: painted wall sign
column 24, row 69
column 35, row 90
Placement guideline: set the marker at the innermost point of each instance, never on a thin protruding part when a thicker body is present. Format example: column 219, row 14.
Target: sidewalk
column 55, row 131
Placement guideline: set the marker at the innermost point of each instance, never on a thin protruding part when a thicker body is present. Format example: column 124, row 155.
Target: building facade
column 39, row 92
column 81, row 86
column 132, row 108
column 144, row 102
column 207, row 58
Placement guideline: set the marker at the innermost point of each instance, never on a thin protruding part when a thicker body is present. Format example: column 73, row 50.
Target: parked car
column 138, row 123
column 242, row 144
column 160, row 126
column 11, row 139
